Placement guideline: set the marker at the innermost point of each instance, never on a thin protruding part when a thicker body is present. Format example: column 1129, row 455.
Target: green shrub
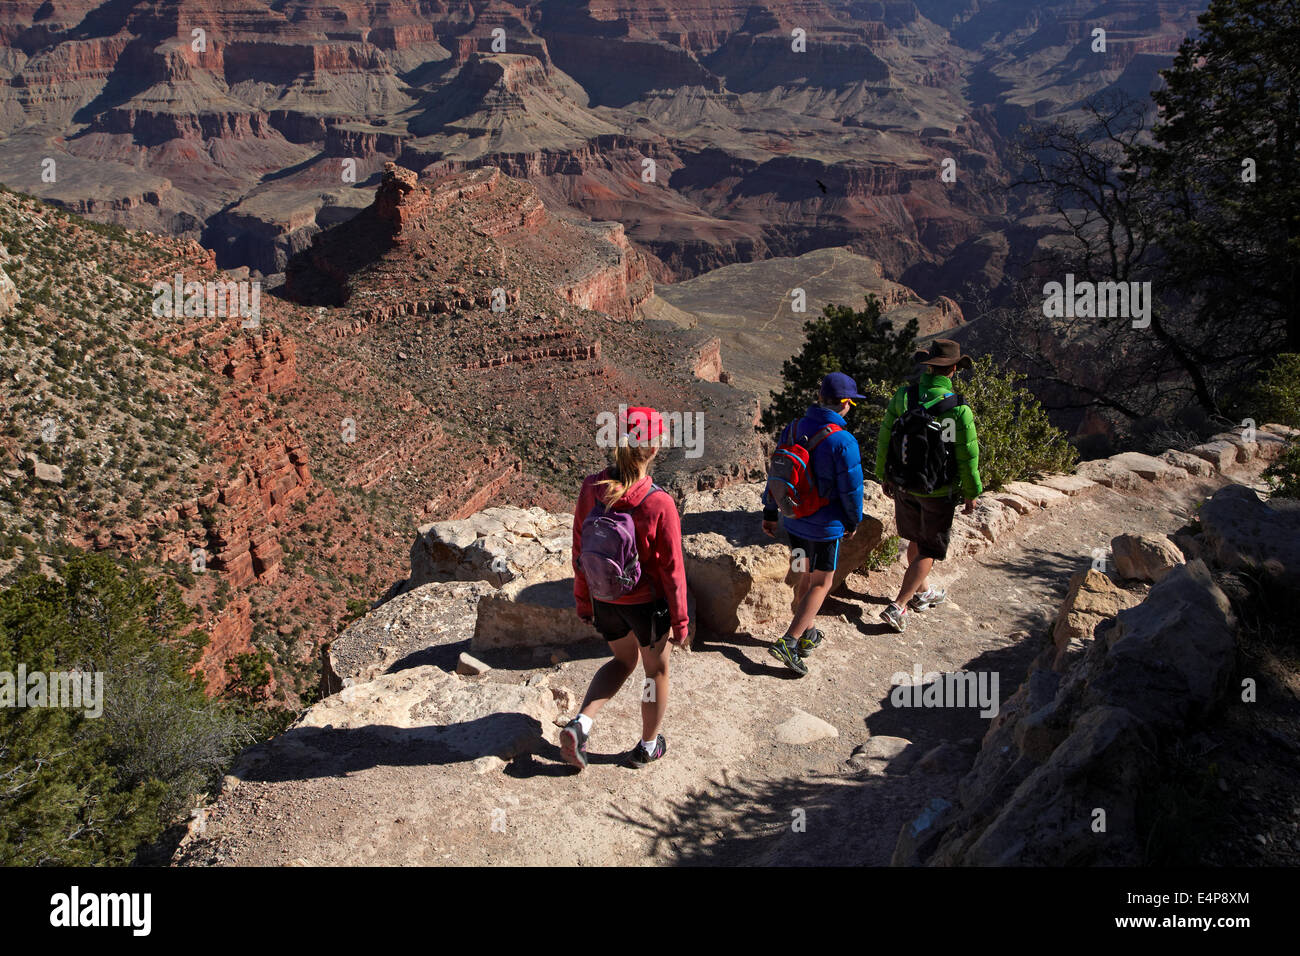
column 1016, row 437
column 859, row 343
column 356, row 608
column 1278, row 394
column 1284, row 474
column 883, row 554
column 85, row 790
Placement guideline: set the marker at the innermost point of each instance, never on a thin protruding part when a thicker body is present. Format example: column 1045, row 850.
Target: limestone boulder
column 1091, row 599
column 804, row 728
column 1257, row 444
column 1240, row 529
column 1149, row 467
column 1283, row 431
column 1015, row 502
column 1169, row 659
column 1221, row 454
column 1112, row 474
column 1192, row 464
column 495, row 545
column 1144, row 557
column 1041, row 496
column 50, row 474
column 535, row 609
column 408, row 629
column 740, row 578
column 1269, row 447
column 1067, row 484
column 991, row 518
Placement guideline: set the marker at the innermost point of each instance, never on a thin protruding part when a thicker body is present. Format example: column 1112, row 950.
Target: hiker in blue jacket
column 835, row 464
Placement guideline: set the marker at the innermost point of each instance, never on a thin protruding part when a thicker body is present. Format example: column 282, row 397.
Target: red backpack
column 790, row 481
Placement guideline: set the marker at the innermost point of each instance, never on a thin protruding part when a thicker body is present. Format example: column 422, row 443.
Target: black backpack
column 919, row 459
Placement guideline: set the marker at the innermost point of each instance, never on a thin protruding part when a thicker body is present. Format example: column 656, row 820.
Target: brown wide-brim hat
column 942, row 352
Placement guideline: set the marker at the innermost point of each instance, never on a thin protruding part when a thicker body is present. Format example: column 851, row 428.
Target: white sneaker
column 927, row 599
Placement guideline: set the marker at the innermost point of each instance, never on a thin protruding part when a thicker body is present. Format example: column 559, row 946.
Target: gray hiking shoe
column 895, row 617
column 809, row 641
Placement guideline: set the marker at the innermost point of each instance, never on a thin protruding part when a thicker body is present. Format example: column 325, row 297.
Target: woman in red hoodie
column 630, row 583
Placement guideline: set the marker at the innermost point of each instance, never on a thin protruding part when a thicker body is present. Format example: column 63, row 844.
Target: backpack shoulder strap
column 947, row 404
column 822, row 435
column 653, row 488
column 913, row 396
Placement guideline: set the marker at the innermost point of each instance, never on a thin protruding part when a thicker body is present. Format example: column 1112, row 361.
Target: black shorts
column 649, row 621
column 926, row 522
column 813, row 555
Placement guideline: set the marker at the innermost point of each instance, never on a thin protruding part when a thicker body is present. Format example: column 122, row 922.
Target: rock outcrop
column 1144, row 557
column 1058, row 778
column 739, row 576
column 9, row 296
column 1241, row 531
column 1064, row 767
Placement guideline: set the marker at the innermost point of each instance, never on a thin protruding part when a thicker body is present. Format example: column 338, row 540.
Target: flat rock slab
column 1067, row 484
column 439, row 716
column 1105, row 471
column 804, row 728
column 1015, row 502
column 1041, row 495
column 1149, row 467
column 1221, row 454
column 1192, row 464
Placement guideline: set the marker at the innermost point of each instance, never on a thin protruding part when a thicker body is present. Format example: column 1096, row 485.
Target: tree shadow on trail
column 822, row 819
column 304, row 753
column 926, row 726
column 1044, row 566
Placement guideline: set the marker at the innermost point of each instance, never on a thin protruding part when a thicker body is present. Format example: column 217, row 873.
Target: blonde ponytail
column 632, row 464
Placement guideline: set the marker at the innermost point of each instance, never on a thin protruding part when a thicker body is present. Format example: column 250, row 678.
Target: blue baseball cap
column 840, row 386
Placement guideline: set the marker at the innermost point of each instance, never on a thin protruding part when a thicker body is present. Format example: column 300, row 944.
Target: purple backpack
column 609, row 559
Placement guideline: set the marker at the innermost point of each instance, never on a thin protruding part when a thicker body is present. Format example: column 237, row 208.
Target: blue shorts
column 813, row 555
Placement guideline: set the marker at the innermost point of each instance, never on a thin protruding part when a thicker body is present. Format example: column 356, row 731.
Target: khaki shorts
column 927, row 522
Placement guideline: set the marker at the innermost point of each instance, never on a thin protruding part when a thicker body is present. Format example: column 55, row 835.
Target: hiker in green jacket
column 924, row 476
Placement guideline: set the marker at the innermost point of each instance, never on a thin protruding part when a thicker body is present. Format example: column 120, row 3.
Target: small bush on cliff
column 78, row 788
column 1016, row 437
column 1278, row 393
column 1284, row 474
column 859, row 343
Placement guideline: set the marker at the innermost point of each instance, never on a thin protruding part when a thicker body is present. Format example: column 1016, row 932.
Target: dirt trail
column 729, row 791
